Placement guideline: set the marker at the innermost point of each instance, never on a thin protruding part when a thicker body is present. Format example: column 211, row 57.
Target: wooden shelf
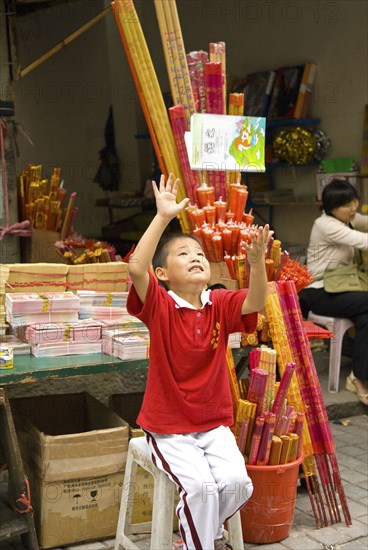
column 286, row 122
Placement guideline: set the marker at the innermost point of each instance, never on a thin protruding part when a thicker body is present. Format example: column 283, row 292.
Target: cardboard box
column 74, row 452
column 41, row 247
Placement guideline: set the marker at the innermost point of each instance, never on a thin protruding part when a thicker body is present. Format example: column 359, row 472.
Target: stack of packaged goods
column 49, row 322
column 105, row 306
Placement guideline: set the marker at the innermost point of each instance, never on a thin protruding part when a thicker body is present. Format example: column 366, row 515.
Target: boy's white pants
column 211, row 477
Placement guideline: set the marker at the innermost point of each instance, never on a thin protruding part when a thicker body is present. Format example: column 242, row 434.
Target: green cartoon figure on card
column 248, row 147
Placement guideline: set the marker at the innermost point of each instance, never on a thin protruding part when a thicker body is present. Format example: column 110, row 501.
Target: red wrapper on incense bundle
column 266, row 439
column 257, row 387
column 218, row 54
column 256, row 439
column 179, row 127
column 283, row 389
column 196, row 61
column 282, row 426
column 254, row 359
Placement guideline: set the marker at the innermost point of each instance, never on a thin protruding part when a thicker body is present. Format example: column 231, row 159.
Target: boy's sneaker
column 222, row 544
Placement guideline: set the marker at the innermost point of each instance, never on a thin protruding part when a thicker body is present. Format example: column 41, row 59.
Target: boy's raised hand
column 259, row 241
column 165, row 196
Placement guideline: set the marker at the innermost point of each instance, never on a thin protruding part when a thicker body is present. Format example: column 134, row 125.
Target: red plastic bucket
column 268, row 515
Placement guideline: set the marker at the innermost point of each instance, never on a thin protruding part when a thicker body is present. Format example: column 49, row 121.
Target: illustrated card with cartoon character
column 226, row 142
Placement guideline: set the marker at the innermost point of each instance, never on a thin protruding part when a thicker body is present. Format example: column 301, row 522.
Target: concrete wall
column 64, row 102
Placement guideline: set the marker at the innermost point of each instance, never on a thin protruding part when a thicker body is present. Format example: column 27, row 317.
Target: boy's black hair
column 162, row 250
column 337, row 193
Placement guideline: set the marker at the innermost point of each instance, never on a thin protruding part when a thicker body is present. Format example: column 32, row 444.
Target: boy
column 187, row 407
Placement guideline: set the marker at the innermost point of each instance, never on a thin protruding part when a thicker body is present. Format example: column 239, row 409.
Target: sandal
column 351, row 386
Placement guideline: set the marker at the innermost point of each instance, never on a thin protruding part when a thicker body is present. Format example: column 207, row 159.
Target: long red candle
column 205, row 194
column 217, row 247
column 210, row 213
column 220, row 206
column 242, row 196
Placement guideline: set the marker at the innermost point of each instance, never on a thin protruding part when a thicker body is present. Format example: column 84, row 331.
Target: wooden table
column 28, row 368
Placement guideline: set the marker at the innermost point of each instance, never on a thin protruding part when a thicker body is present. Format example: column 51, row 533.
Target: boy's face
column 186, row 266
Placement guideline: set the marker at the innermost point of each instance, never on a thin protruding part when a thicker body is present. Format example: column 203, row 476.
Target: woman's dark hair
column 337, row 193
column 162, row 250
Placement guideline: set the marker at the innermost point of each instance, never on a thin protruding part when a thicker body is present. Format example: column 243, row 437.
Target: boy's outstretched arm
column 167, row 209
column 256, row 297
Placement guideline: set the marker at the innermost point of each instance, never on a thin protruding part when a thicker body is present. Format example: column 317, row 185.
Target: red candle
column 207, row 234
column 235, row 233
column 220, row 210
column 199, row 217
column 226, row 239
column 189, row 210
column 248, row 218
column 230, row 216
column 234, row 187
column 205, row 194
column 210, row 213
column 198, row 232
column 217, row 247
column 241, row 202
column 243, row 237
column 230, row 266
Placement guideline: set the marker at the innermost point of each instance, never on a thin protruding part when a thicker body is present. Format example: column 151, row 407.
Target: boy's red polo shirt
column 188, row 384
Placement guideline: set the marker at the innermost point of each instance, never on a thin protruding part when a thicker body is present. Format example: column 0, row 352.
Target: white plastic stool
column 161, row 527
column 338, row 326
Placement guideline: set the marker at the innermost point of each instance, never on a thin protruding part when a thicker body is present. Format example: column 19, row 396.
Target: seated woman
column 335, row 236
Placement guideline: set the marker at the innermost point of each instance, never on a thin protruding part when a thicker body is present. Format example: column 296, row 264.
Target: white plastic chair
column 337, row 325
column 161, row 526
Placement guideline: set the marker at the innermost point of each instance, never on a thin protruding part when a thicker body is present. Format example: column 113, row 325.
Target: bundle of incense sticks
column 257, row 388
column 41, row 201
column 149, row 91
column 196, row 62
column 264, row 436
column 179, row 126
column 218, row 55
column 283, row 313
column 174, row 50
